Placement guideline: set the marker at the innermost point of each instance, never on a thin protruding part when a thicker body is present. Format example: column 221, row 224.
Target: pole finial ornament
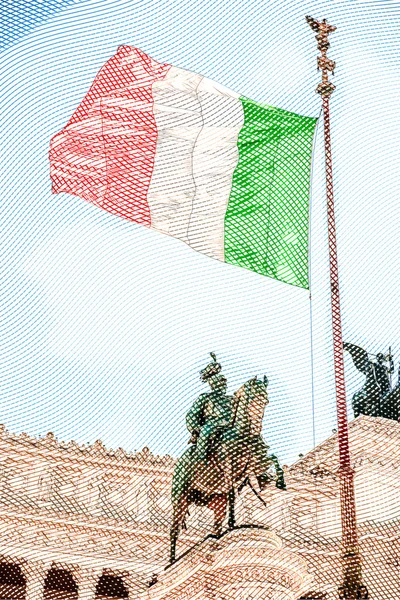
column 323, row 29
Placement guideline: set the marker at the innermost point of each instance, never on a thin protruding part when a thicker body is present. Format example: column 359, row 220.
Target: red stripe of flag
column 105, row 154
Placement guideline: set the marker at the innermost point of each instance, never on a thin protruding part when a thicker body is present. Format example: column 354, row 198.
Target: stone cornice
column 306, row 541
column 81, row 522
column 96, row 453
column 93, row 526
column 386, row 427
column 322, row 482
column 50, row 448
column 140, row 545
column 373, row 440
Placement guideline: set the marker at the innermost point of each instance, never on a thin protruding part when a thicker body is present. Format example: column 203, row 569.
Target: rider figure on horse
column 238, row 454
column 215, row 411
column 211, row 412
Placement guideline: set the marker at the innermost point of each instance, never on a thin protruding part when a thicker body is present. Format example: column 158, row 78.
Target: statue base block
column 244, row 563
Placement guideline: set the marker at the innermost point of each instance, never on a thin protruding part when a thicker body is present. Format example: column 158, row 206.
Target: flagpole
column 351, row 587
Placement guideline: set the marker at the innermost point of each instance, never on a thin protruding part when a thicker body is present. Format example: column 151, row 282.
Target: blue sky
column 19, row 17
column 105, row 324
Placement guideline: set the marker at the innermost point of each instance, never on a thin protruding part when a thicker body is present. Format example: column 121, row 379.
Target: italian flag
column 177, row 152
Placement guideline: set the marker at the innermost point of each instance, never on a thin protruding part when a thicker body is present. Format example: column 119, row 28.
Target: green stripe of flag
column 266, row 223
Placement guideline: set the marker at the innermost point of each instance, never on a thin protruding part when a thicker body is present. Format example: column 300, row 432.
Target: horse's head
column 252, row 399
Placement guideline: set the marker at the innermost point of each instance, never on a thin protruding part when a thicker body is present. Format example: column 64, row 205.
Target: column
column 35, row 575
column 87, row 583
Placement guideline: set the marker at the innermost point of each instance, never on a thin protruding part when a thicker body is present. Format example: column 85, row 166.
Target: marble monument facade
column 87, row 523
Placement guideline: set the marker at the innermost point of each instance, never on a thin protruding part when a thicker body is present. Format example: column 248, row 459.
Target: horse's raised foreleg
column 280, row 478
column 180, row 510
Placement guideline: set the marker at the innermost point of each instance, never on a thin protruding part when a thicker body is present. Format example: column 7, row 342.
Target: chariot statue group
column 379, row 396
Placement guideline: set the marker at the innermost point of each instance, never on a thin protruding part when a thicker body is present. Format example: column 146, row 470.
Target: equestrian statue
column 226, row 448
column 377, row 397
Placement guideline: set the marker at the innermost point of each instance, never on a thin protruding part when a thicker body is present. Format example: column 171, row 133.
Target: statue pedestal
column 244, row 564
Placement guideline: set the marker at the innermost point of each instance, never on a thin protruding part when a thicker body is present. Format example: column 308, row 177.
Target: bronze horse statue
column 236, row 453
